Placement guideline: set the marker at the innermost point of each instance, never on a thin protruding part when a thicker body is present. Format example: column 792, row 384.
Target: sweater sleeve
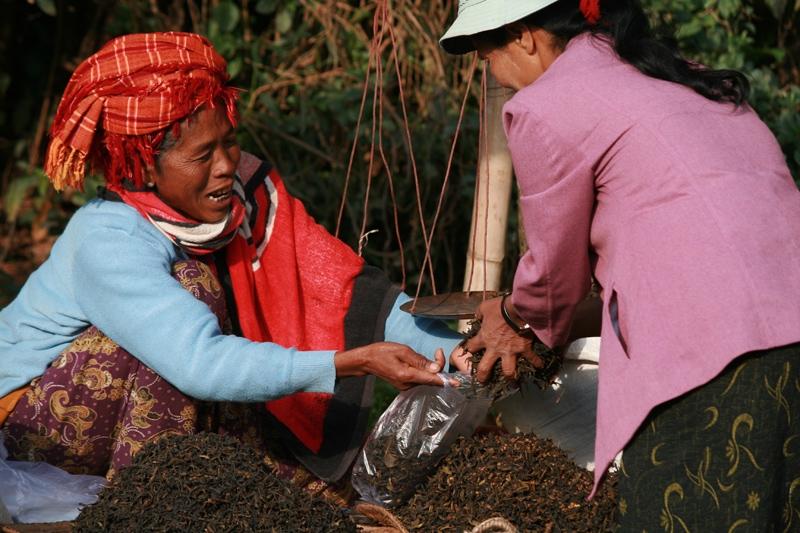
column 556, row 201
column 423, row 335
column 122, row 282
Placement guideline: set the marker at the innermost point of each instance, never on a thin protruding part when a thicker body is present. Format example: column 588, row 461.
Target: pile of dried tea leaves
column 526, row 480
column 498, row 386
column 206, row 482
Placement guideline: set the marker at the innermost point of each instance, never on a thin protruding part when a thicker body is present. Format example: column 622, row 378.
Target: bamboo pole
column 493, row 182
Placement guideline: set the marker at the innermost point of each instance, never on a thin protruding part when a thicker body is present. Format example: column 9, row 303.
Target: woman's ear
column 524, row 37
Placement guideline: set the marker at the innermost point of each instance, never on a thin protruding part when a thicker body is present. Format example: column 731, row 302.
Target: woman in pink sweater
column 652, row 175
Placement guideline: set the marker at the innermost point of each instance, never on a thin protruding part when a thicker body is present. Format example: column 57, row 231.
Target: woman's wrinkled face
column 195, row 176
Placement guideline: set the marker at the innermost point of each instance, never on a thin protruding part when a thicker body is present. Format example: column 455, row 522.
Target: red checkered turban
column 121, row 101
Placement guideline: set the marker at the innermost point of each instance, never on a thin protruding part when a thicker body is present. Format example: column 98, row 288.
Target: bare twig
column 291, row 81
column 250, row 123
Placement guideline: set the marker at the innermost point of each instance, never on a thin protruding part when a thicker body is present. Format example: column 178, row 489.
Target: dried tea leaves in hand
column 498, row 386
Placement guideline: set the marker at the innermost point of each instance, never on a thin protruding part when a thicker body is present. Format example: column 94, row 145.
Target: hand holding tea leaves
column 499, row 341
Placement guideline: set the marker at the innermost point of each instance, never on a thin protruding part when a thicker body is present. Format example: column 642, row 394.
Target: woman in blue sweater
column 105, row 349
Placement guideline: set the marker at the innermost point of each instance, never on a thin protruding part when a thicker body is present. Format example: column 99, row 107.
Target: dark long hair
column 626, row 25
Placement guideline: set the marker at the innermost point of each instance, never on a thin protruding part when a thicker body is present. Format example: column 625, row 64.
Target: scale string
column 392, row 195
column 484, row 135
column 382, row 24
column 378, row 29
column 373, row 51
column 407, row 131
column 447, row 172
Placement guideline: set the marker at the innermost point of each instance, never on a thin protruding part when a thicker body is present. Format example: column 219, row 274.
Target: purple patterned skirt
column 96, row 406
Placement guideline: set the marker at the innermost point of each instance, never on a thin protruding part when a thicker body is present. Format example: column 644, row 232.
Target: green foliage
column 758, row 38
column 18, row 190
column 381, row 399
column 303, row 67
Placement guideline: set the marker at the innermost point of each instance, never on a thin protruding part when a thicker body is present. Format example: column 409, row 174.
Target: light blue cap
column 476, row 16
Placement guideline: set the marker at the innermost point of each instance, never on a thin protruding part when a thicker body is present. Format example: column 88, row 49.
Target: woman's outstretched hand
column 499, row 341
column 395, row 363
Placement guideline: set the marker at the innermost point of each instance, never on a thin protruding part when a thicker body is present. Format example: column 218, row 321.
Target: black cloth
column 723, row 457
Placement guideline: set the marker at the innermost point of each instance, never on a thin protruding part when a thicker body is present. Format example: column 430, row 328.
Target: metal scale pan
column 448, row 305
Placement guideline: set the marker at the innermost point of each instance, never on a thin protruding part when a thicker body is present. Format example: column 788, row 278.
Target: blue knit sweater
column 111, row 268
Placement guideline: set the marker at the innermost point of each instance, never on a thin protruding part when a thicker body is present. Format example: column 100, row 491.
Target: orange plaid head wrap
column 121, row 101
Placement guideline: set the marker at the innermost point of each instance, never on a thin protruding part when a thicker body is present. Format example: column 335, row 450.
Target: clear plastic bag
column 35, row 492
column 412, row 435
